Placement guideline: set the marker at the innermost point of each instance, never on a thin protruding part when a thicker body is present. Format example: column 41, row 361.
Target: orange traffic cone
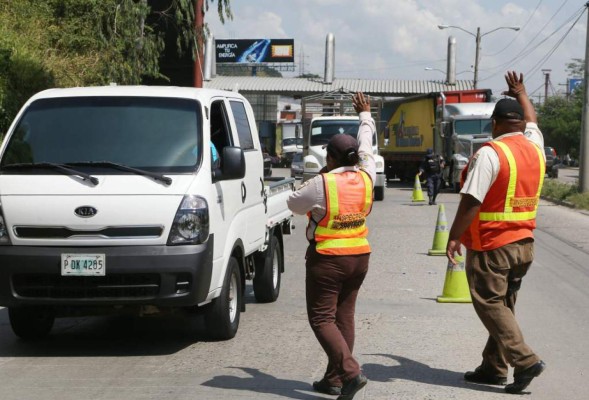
column 441, row 235
column 417, row 193
column 456, row 285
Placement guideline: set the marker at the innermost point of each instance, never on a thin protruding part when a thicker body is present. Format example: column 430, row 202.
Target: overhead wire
column 520, row 31
column 514, row 61
column 554, row 48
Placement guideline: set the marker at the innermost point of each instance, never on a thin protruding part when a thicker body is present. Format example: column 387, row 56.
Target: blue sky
column 398, row 39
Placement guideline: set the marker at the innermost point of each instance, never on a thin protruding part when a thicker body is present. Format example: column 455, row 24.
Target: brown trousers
column 494, row 278
column 332, row 285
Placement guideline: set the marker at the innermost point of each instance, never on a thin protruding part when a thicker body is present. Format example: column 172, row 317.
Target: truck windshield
column 473, row 126
column 153, row 134
column 292, row 141
column 323, row 130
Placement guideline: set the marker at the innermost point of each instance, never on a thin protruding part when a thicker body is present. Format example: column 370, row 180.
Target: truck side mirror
column 442, row 128
column 232, row 164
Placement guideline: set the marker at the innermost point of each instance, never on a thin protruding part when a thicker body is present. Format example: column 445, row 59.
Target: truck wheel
column 30, row 323
column 378, row 193
column 222, row 316
column 269, row 266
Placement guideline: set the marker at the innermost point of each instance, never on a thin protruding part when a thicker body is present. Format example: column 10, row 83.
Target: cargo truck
column 454, row 123
column 112, row 201
column 326, row 115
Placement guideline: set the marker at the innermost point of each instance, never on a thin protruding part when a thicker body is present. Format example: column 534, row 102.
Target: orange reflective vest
column 342, row 231
column 508, row 212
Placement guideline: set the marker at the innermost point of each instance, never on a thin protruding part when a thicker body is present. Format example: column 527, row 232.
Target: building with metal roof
column 302, row 87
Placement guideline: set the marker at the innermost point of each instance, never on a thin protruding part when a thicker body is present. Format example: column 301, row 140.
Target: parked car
column 296, row 166
column 551, row 162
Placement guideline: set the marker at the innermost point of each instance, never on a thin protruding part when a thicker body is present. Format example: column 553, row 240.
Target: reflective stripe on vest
column 344, row 231
column 508, row 214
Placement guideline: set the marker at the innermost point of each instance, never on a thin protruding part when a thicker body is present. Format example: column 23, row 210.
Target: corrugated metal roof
column 305, row 87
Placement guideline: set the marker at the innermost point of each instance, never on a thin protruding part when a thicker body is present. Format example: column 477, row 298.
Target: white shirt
column 311, row 195
column 483, row 169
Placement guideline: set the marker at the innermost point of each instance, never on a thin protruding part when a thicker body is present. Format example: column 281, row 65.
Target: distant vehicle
column 297, row 166
column 326, row 115
column 551, row 162
column 455, row 124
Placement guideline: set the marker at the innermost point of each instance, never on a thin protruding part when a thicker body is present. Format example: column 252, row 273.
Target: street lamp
column 478, row 37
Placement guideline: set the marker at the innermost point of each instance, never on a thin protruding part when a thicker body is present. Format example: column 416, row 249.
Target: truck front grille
column 86, row 287
column 50, row 232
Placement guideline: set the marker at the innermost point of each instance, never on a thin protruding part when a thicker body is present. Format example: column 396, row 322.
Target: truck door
column 252, row 189
column 225, row 209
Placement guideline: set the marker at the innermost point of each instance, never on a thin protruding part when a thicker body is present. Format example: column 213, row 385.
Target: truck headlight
column 311, row 165
column 191, row 223
column 379, row 165
column 4, row 239
column 462, row 163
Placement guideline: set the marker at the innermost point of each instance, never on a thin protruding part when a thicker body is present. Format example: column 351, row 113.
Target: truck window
column 243, row 125
column 220, row 129
column 323, row 130
column 158, row 134
column 473, row 126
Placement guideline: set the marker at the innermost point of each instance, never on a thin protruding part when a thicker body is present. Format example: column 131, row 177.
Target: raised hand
column 515, row 85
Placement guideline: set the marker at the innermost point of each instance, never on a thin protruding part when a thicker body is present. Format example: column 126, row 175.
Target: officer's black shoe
column 352, row 387
column 480, row 376
column 323, row 386
column 431, row 201
column 523, row 379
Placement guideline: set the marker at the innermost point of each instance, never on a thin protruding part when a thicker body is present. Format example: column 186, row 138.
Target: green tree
column 560, row 121
column 576, row 68
column 45, row 43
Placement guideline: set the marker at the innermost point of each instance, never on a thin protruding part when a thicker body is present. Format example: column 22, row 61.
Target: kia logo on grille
column 86, row 211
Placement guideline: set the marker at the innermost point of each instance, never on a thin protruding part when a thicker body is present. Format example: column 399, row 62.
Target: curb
column 565, row 203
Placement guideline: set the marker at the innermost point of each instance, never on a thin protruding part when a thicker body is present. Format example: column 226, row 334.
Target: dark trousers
column 433, row 182
column 494, row 278
column 332, row 285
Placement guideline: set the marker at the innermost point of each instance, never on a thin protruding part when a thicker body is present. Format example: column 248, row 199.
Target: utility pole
column 476, row 57
column 199, row 18
column 546, row 73
column 584, row 150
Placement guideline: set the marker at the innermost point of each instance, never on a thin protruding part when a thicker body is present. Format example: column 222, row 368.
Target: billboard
column 574, row 84
column 254, row 51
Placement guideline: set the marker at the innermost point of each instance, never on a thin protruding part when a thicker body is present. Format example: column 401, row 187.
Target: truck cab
column 112, row 198
column 467, row 126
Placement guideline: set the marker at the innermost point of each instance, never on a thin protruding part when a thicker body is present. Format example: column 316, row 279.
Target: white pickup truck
column 112, row 200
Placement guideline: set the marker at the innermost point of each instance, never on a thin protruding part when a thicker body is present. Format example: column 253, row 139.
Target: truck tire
column 222, row 315
column 378, row 193
column 31, row 323
column 269, row 266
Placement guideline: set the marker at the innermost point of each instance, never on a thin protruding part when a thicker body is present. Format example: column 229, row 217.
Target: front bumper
column 167, row 276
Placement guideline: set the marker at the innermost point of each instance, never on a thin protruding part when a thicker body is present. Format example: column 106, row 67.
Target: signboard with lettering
column 254, row 51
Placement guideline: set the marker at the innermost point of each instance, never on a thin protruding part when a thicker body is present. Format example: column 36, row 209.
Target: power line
column 520, row 31
column 554, row 48
column 525, row 53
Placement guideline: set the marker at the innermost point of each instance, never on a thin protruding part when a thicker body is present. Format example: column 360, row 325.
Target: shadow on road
column 113, row 335
column 260, row 382
column 411, row 370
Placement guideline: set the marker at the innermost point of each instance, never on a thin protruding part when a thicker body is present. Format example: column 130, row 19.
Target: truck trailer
column 453, row 123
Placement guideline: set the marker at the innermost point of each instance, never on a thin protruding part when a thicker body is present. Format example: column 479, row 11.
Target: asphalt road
column 410, row 346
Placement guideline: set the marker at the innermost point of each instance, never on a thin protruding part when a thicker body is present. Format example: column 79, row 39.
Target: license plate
column 83, row 265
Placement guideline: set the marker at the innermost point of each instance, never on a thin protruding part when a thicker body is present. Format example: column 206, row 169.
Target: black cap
column 508, row 109
column 341, row 145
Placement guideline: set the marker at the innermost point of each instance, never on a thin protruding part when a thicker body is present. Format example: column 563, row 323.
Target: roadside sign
column 574, row 84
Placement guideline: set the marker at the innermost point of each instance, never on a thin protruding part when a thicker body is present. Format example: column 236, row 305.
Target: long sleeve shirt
column 311, row 195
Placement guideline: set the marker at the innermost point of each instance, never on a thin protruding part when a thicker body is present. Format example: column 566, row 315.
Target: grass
column 558, row 191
